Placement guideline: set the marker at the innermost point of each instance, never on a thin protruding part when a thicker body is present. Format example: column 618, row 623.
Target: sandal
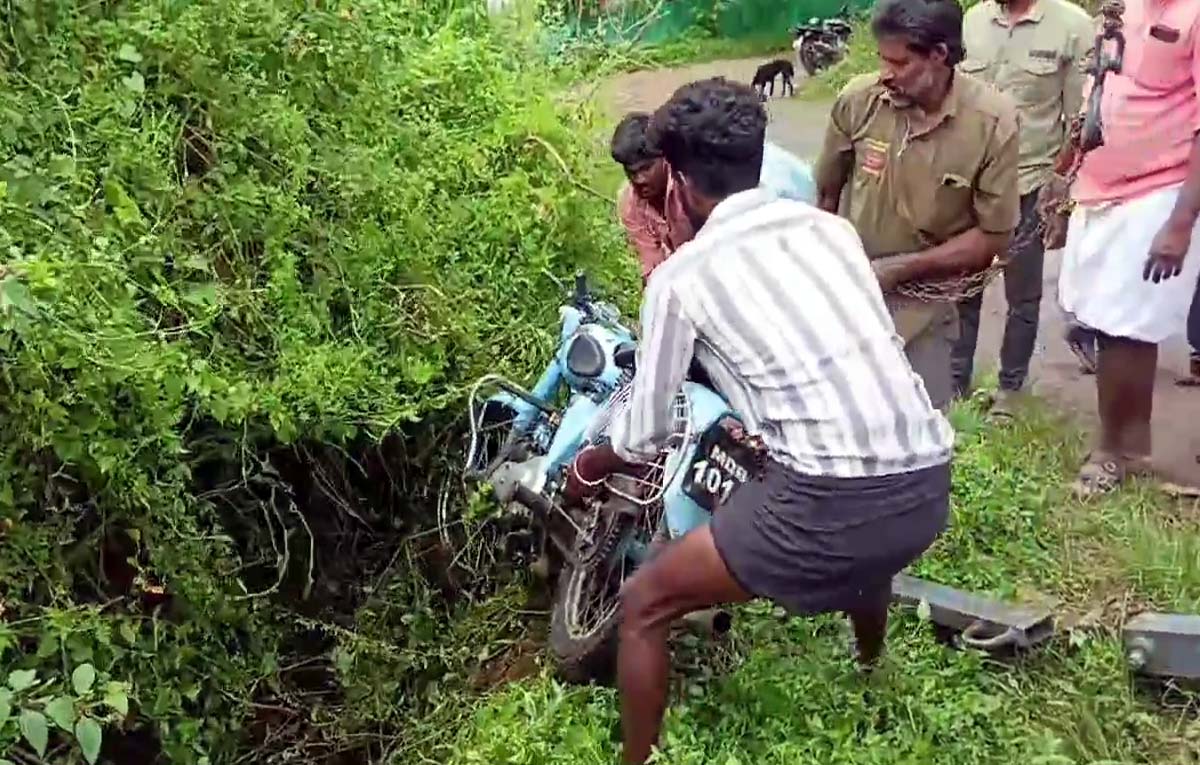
column 1098, row 476
column 1003, row 409
column 1140, row 467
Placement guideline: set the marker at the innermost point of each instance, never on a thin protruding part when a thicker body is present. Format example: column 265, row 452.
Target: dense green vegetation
column 253, row 254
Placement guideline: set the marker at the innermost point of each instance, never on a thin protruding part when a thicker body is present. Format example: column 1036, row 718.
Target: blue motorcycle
column 522, row 444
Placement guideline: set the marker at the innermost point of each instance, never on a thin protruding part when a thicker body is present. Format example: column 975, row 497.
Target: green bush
column 253, row 253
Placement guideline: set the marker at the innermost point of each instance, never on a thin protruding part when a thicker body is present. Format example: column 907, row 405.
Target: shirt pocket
column 1037, row 81
column 1161, row 64
column 951, row 206
column 974, row 67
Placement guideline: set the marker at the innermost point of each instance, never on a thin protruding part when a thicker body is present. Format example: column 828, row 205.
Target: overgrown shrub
column 253, row 252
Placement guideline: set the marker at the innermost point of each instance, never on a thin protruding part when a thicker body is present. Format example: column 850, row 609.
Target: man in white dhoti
column 1132, row 256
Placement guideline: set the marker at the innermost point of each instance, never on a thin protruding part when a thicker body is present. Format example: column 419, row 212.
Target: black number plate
column 721, row 465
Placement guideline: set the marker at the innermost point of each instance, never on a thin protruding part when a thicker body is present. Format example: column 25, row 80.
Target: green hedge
column 235, row 235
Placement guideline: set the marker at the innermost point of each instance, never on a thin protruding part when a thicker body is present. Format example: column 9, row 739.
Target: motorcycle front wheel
column 586, row 610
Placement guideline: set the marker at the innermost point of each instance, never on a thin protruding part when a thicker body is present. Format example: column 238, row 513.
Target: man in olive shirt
column 930, row 159
column 1034, row 51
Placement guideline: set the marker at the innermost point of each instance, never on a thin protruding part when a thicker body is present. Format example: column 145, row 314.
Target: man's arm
column 1187, row 206
column 1054, row 195
column 972, row 250
column 1083, row 42
column 664, row 354
column 1174, row 239
column 1075, row 88
column 836, row 159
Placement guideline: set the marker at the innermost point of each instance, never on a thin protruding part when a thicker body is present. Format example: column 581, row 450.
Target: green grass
column 795, row 697
column 784, row 690
column 1017, row 528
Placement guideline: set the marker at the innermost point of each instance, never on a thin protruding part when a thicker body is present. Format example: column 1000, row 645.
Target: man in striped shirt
column 777, row 301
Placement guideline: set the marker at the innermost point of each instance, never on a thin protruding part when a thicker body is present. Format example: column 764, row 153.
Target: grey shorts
column 815, row 544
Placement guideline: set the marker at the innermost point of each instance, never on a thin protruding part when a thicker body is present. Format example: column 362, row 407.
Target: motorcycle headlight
column 585, row 356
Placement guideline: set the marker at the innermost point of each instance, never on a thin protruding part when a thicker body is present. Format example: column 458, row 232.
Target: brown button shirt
column 914, row 187
column 1039, row 61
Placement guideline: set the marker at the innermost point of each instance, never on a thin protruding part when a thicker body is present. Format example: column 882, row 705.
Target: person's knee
column 639, row 599
column 649, row 602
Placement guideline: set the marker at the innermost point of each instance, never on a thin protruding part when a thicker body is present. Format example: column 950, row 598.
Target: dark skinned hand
column 586, row 474
column 889, row 275
column 1049, row 206
column 1054, row 231
column 1167, row 252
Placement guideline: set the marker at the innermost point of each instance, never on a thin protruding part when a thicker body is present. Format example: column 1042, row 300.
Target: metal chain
column 952, row 290
column 959, row 288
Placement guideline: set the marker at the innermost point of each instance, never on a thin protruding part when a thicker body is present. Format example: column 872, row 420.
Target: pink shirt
column 1151, row 110
column 654, row 235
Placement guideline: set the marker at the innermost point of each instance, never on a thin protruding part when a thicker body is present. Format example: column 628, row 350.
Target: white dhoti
column 1101, row 282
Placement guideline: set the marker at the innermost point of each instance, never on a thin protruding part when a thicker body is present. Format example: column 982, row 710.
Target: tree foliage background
column 253, row 252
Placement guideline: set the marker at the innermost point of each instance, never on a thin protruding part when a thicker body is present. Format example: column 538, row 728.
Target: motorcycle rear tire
column 583, row 659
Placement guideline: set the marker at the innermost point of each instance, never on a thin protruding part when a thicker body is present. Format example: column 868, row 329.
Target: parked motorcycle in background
column 522, row 443
column 820, row 44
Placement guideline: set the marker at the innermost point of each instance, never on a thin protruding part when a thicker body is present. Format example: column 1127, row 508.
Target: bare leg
column 1125, row 393
column 686, row 576
column 869, row 621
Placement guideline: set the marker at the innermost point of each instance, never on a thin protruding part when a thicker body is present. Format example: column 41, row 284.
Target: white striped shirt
column 778, row 303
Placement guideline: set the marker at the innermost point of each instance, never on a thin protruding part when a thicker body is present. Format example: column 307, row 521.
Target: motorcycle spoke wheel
column 593, row 598
column 495, row 441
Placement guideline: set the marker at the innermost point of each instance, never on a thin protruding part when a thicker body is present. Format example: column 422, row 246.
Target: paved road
column 798, row 125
